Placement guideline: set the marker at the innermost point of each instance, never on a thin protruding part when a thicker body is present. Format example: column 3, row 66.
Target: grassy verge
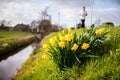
column 13, row 40
column 39, row 67
column 7, row 35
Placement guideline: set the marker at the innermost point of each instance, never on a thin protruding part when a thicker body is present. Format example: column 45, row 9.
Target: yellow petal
column 85, row 46
column 45, row 46
column 62, row 44
column 75, row 47
column 69, row 37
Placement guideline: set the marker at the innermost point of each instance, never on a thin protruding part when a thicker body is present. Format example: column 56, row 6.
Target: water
column 9, row 66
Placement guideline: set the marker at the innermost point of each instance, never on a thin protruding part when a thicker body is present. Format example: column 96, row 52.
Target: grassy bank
column 107, row 67
column 13, row 40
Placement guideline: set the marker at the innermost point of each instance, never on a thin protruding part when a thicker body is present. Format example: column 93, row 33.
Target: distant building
column 21, row 27
column 5, row 28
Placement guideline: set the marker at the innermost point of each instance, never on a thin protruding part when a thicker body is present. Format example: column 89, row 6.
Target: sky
column 64, row 12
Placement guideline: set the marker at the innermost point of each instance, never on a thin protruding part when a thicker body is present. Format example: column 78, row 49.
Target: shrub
column 67, row 49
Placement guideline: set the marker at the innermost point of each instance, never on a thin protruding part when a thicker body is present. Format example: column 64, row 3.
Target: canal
column 9, row 66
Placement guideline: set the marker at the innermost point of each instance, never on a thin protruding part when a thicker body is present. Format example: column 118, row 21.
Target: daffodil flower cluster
column 100, row 31
column 67, row 48
column 61, row 39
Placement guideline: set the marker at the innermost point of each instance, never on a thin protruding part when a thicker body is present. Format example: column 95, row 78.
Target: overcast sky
column 24, row 11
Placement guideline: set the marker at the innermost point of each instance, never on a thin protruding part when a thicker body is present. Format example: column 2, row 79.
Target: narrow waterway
column 9, row 66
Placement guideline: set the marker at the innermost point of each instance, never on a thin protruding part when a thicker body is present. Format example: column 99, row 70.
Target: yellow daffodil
column 69, row 37
column 59, row 35
column 45, row 46
column 63, row 31
column 44, row 56
column 55, row 38
column 62, row 38
column 62, row 44
column 85, row 46
column 75, row 47
column 52, row 41
column 69, row 30
column 100, row 31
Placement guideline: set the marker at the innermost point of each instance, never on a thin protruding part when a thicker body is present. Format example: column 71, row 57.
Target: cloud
column 70, row 10
column 107, row 2
column 19, row 12
column 8, row 1
column 105, row 15
column 109, row 14
column 88, row 3
column 72, row 3
column 113, row 1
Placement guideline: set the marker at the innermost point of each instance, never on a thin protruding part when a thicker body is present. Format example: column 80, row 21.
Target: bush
column 67, row 49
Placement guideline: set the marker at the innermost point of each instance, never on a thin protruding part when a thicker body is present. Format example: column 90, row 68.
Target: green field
column 107, row 67
column 12, row 40
column 7, row 35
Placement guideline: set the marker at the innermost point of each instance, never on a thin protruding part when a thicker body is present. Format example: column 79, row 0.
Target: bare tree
column 4, row 22
column 34, row 25
column 45, row 26
column 44, row 14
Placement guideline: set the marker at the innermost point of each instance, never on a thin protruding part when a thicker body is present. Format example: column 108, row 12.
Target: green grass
column 12, row 40
column 7, row 35
column 107, row 68
column 104, row 68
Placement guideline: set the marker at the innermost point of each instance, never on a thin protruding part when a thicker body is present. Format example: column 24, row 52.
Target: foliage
column 45, row 25
column 67, row 49
column 106, row 67
column 12, row 40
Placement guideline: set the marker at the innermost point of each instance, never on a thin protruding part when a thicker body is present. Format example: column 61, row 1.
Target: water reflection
column 8, row 67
